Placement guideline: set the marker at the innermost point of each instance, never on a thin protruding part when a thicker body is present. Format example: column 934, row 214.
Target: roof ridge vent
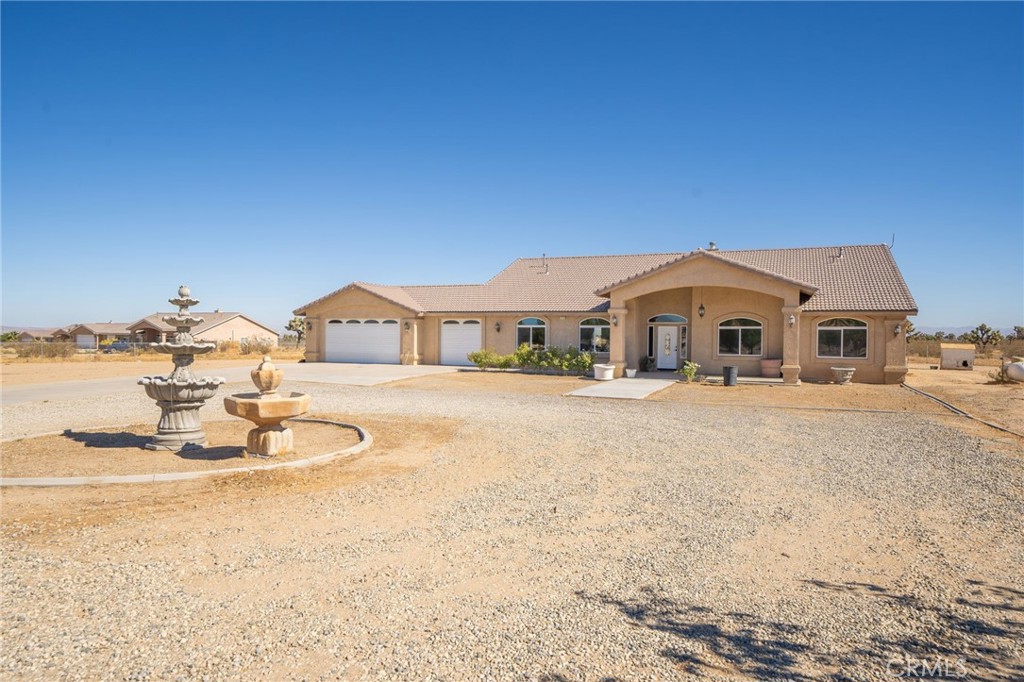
column 712, row 246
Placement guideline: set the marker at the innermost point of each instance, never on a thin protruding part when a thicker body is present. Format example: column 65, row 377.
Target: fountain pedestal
column 180, row 395
column 267, row 409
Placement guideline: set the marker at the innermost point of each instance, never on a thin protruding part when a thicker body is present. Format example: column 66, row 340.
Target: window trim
column 762, row 326
column 606, row 324
column 844, row 358
column 543, row 325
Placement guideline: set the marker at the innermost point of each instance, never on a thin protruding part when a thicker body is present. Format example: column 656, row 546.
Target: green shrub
column 689, row 370
column 484, row 358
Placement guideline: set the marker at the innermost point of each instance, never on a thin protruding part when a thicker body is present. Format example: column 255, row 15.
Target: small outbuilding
column 956, row 356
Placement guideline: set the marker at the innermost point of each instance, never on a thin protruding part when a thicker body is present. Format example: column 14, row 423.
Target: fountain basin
column 267, row 411
column 163, row 388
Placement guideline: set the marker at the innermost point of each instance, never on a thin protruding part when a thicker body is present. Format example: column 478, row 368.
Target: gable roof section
column 100, row 328
column 210, row 320
column 864, row 278
column 715, row 255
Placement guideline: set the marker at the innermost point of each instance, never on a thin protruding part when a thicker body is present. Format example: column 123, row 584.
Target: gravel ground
column 534, row 537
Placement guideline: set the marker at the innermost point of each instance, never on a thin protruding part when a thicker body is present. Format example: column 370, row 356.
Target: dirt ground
column 120, row 452
column 20, row 373
column 975, row 392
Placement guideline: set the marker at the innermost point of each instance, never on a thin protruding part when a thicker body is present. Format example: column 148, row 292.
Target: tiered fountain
column 267, row 409
column 181, row 394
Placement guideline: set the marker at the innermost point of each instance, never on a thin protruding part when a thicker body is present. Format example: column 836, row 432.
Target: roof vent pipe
column 712, row 246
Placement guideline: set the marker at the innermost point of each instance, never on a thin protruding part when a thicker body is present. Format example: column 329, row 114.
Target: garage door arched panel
column 372, row 341
column 459, row 338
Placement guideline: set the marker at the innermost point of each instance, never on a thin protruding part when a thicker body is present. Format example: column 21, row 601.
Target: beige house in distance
column 810, row 308
column 216, row 326
column 92, row 334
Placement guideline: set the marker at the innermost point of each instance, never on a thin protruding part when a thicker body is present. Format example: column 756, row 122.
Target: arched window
column 595, row 335
column 740, row 336
column 842, row 338
column 531, row 330
column 667, row 319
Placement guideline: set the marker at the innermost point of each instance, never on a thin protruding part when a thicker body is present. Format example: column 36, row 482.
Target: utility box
column 956, row 356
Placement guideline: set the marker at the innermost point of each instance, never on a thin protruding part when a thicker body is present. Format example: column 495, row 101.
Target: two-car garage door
column 364, row 341
column 380, row 341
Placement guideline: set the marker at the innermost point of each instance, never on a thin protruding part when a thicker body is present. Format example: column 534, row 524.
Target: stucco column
column 895, row 350
column 791, row 345
column 617, row 353
column 411, row 342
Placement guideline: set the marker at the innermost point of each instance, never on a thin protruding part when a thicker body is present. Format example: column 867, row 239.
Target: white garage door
column 368, row 341
column 459, row 338
column 85, row 340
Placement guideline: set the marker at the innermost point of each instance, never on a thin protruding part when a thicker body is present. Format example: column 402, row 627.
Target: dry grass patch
column 806, row 395
column 494, row 382
column 975, row 392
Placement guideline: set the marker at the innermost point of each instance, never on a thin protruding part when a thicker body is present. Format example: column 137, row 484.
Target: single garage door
column 367, row 341
column 85, row 340
column 458, row 339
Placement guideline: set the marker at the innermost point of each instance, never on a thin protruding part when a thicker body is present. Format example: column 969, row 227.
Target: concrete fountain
column 182, row 394
column 267, row 409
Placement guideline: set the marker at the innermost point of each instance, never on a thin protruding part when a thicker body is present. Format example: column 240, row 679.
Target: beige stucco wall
column 356, row 304
column 887, row 352
column 236, row 329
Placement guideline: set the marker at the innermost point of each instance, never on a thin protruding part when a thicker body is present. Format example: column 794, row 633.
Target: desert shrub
column 227, row 346
column 256, row 345
column 45, row 350
column 689, row 370
column 484, row 358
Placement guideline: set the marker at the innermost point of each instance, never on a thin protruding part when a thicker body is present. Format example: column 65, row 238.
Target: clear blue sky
column 269, row 153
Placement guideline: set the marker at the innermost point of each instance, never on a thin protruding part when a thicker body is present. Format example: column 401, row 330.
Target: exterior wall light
column 615, row 320
column 897, row 329
column 792, row 319
column 406, row 325
column 497, row 327
column 701, row 310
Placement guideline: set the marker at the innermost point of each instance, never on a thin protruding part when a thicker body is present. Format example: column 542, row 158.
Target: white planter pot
column 631, row 373
column 604, row 372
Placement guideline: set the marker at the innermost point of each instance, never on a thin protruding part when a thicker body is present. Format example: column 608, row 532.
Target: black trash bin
column 730, row 374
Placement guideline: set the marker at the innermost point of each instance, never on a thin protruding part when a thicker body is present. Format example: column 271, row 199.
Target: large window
column 842, row 338
column 531, row 330
column 595, row 335
column 739, row 336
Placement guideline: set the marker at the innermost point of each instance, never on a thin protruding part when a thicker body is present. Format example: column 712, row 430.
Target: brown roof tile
column 862, row 278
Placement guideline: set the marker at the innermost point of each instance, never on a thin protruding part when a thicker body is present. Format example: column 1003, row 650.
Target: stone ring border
column 365, row 441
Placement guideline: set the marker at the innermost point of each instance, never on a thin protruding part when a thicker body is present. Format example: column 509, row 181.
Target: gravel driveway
column 533, row 537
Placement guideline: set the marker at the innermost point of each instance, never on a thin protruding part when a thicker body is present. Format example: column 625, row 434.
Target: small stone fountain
column 267, row 409
column 181, row 394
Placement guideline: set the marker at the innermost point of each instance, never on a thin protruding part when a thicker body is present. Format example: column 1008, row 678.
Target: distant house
column 35, row 335
column 92, row 334
column 216, row 326
column 810, row 308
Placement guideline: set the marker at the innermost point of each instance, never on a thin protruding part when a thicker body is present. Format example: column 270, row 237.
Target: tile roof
column 210, row 320
column 863, row 278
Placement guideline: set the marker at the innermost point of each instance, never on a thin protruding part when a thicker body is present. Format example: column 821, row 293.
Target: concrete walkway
column 315, row 372
column 628, row 389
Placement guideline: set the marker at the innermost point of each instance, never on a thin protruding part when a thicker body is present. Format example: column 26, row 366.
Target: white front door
column 666, row 345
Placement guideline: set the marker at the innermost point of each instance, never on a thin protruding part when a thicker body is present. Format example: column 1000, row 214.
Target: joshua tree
column 297, row 325
column 983, row 335
column 1018, row 333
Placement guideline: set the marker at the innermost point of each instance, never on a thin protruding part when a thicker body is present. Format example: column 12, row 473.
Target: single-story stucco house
column 216, row 326
column 92, row 334
column 812, row 308
column 37, row 335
